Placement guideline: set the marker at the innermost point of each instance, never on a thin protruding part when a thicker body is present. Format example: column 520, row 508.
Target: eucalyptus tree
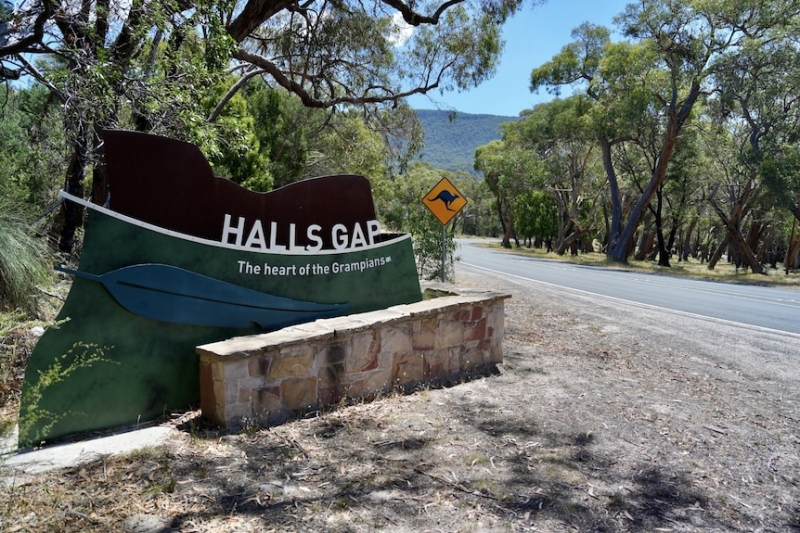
column 536, row 216
column 489, row 162
column 664, row 72
column 681, row 194
column 560, row 134
column 732, row 187
column 760, row 91
column 756, row 104
column 508, row 171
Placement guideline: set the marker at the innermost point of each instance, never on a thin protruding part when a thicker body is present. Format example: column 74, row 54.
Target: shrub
column 23, row 260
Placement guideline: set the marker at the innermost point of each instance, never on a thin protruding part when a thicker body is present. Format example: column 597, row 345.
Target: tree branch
column 319, row 103
column 41, row 79
column 231, row 92
column 23, row 45
column 416, row 19
column 254, row 13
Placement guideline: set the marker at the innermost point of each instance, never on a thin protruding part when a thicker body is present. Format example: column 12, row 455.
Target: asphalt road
column 763, row 307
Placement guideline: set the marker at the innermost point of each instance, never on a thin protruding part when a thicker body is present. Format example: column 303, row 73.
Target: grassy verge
column 13, row 358
column 724, row 272
column 19, row 333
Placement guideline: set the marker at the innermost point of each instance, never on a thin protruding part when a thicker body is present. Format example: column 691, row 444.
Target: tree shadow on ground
column 557, row 479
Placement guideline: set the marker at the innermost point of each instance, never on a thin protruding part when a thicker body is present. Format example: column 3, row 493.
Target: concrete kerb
column 16, row 468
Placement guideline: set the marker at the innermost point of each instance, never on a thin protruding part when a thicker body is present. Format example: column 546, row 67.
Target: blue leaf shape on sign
column 171, row 294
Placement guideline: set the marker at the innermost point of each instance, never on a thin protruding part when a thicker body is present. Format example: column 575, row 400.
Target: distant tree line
column 680, row 141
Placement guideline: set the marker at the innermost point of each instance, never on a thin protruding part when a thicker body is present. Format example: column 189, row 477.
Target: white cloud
column 400, row 32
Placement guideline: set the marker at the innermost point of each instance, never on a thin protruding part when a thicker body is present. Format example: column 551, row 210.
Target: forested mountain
column 451, row 140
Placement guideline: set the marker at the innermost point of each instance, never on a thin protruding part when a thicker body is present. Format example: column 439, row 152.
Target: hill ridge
column 451, row 138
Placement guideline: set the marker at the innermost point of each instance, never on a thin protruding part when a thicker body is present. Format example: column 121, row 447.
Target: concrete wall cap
column 342, row 325
column 256, row 345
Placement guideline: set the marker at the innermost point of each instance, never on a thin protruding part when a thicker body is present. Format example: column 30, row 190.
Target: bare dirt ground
column 604, row 417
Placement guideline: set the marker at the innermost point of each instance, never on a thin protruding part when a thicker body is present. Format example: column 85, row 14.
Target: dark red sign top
column 170, row 184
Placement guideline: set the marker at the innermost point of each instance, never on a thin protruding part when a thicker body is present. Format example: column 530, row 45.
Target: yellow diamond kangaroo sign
column 444, row 201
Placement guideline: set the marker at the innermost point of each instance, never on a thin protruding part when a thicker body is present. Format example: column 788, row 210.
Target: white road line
column 652, row 280
column 639, row 304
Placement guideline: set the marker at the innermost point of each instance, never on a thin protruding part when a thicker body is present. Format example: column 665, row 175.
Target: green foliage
column 31, row 150
column 536, row 215
column 780, row 169
column 297, row 142
column 239, row 156
column 36, row 420
column 14, row 353
column 283, row 128
column 349, row 147
column 23, row 260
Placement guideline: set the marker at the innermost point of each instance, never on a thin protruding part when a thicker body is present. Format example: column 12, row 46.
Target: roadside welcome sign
column 444, row 201
column 179, row 258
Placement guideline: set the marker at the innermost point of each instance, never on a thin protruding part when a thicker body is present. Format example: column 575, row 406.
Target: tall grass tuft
column 23, row 260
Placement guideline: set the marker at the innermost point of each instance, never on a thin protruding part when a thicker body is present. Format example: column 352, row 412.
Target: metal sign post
column 444, row 253
column 444, row 201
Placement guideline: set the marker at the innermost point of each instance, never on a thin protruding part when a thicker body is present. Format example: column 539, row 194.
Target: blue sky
column 532, row 37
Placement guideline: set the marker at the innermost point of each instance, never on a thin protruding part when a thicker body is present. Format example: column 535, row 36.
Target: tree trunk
column 736, row 239
column 754, row 235
column 663, row 253
column 687, row 241
column 506, row 242
column 793, row 253
column 616, row 197
column 570, row 242
column 645, row 245
column 509, row 232
column 747, row 253
column 715, row 257
column 76, row 172
column 618, row 250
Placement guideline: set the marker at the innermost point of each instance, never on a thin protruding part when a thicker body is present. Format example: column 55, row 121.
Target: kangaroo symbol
column 447, row 197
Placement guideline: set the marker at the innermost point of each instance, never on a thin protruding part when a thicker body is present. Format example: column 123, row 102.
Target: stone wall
column 272, row 377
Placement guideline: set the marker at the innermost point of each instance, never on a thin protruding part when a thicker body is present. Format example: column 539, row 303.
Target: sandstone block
column 423, row 340
column 231, row 392
column 496, row 350
column 294, row 362
column 379, row 380
column 300, row 393
column 438, row 364
column 236, row 369
column 477, row 331
column 364, row 354
column 245, row 395
column 208, row 400
column 332, row 375
column 496, row 316
column 396, row 339
column 408, row 368
column 331, row 395
column 234, row 412
column 259, row 366
column 449, row 334
column 430, row 323
column 267, row 400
